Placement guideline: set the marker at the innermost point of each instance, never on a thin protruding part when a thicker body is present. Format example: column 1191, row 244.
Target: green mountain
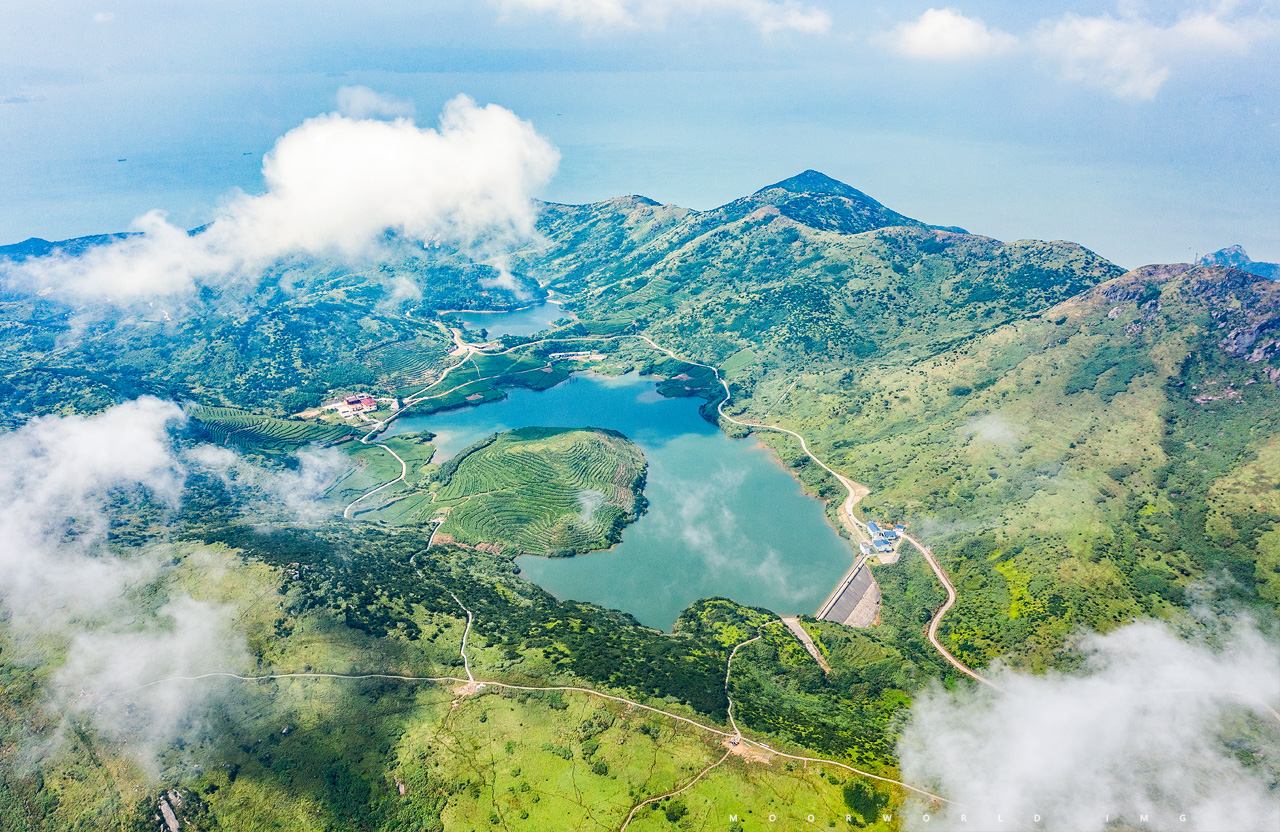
column 779, row 271
column 1081, row 446
column 1057, row 426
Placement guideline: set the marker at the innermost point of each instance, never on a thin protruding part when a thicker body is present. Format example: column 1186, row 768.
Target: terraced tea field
column 245, row 430
column 409, row 365
column 544, row 491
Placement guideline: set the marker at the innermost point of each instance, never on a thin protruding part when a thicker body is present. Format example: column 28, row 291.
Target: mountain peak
column 818, row 201
column 1236, row 257
column 817, row 182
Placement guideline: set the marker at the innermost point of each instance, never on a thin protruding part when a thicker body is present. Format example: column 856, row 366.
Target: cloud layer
column 1130, row 55
column 1143, row 730
column 62, row 585
column 768, row 15
column 335, row 185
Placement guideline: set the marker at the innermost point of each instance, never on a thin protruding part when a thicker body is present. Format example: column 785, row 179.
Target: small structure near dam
column 856, row 601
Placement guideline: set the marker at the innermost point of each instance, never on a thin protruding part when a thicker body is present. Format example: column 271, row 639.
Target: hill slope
column 825, row 274
column 1083, row 444
column 543, row 491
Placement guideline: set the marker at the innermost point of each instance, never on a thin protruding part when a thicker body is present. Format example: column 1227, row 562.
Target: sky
column 1145, row 131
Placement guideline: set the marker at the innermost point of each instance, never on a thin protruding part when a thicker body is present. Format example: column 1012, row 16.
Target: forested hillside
column 1080, row 446
column 1061, row 429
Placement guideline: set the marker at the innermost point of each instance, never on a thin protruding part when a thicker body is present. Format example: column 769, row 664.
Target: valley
column 720, row 405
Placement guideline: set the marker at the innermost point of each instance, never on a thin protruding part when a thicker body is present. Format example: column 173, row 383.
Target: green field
column 245, row 430
column 543, row 491
column 371, row 465
column 481, row 377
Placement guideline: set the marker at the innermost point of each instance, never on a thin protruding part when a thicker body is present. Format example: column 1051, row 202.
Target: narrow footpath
column 404, row 472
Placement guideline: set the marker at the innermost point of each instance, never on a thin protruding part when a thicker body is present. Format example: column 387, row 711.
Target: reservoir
column 521, row 322
column 724, row 518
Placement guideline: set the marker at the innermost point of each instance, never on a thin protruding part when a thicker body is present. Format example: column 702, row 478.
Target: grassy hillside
column 798, row 277
column 277, row 344
column 229, row 426
column 543, row 491
column 1075, row 469
column 374, row 754
column 1083, row 446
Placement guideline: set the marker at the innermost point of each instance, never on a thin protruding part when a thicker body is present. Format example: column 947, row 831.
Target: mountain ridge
column 1236, row 257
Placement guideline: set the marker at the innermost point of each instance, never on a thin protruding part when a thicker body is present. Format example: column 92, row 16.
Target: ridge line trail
column 466, row 663
column 728, row 668
column 472, row 685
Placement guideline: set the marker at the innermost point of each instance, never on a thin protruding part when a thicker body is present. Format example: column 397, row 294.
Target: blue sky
column 1148, row 132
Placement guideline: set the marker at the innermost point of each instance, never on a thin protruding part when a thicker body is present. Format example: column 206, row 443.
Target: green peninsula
column 543, row 491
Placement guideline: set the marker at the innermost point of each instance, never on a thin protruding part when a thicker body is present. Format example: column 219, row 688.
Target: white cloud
column 362, row 102
column 64, row 585
column 104, row 17
column 946, row 34
column 1133, row 57
column 298, row 490
column 1129, row 55
column 992, row 428
column 335, row 184
column 1142, row 730
column 768, row 15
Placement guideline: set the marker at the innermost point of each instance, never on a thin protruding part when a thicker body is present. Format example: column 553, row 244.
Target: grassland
column 376, row 754
column 246, row 430
column 481, row 379
column 544, row 491
column 373, row 465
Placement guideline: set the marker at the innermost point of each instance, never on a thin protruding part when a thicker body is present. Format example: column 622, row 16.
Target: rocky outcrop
column 1133, row 285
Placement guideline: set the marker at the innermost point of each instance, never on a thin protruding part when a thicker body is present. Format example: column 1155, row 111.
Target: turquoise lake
column 521, row 322
column 724, row 518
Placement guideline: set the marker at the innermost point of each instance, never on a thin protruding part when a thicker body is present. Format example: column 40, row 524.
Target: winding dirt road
column 932, row 632
column 404, row 471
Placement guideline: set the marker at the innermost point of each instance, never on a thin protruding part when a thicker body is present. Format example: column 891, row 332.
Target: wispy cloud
column 335, row 185
column 1127, row 54
column 768, row 15
column 1155, row 732
column 361, row 102
column 296, row 491
column 1132, row 56
column 946, row 34
column 68, row 589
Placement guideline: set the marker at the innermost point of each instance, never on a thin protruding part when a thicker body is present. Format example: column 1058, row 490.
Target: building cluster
column 352, row 405
column 882, row 538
